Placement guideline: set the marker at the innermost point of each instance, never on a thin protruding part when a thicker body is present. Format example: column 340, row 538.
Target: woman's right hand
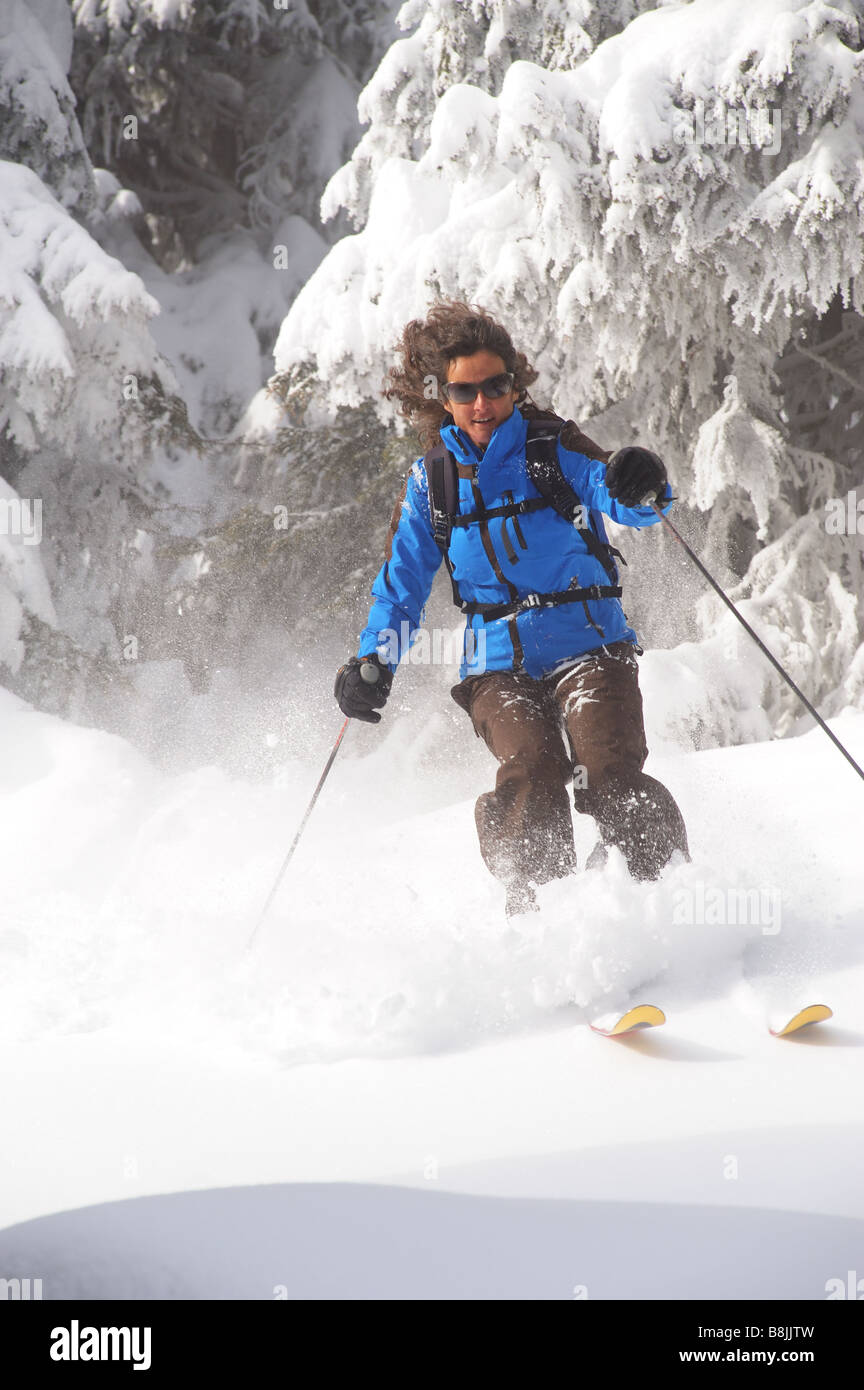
column 359, row 693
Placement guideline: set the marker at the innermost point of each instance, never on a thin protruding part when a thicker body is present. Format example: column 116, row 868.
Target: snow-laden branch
column 73, row 320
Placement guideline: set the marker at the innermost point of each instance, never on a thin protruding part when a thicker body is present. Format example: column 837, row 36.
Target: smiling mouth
column 484, row 420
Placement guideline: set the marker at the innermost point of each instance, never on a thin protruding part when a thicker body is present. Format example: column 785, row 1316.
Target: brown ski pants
column 524, row 825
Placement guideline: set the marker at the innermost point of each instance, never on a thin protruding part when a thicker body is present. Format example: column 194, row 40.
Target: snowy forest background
column 216, row 215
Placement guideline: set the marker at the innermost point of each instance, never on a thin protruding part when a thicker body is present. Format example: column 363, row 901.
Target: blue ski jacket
column 549, row 555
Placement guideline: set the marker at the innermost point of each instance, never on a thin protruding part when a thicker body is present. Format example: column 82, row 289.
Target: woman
column 551, row 656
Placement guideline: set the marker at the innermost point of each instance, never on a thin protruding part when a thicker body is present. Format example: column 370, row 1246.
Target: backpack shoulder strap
column 545, row 472
column 443, row 482
column 544, row 468
column 440, row 468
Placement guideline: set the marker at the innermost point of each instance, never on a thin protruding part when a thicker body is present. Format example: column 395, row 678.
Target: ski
column 814, row 1013
column 642, row 1016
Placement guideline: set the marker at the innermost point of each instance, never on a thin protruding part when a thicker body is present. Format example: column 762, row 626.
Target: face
column 482, row 416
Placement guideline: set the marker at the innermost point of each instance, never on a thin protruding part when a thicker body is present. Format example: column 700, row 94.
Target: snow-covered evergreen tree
column 224, row 120
column 85, row 397
column 38, row 125
column 456, row 41
column 221, row 114
column 662, row 200
column 666, row 226
column 212, row 111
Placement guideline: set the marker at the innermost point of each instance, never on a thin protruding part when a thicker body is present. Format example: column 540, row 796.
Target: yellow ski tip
column 643, row 1016
column 814, row 1013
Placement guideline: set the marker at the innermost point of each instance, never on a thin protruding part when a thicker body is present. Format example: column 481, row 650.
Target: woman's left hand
column 634, row 474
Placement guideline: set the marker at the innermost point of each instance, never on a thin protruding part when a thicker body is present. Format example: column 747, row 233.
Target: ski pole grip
column 369, row 672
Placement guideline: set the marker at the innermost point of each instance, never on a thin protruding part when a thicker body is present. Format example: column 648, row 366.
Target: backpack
column 544, row 471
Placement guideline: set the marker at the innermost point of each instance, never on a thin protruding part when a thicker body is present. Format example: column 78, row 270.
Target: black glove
column 358, row 698
column 635, row 473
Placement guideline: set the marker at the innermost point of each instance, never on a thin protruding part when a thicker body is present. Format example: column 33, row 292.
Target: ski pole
column 368, row 673
column 760, row 644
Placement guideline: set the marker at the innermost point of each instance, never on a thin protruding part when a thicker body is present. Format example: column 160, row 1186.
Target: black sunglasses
column 464, row 392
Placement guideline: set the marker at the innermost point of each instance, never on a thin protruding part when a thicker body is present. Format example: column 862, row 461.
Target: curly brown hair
column 451, row 329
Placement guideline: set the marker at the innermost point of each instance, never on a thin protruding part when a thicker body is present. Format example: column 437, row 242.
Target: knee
column 534, row 767
column 527, row 786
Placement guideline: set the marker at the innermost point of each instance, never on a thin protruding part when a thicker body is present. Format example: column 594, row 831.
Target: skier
column 511, row 498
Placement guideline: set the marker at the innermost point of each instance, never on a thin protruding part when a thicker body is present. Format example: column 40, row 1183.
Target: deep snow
column 389, row 1028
